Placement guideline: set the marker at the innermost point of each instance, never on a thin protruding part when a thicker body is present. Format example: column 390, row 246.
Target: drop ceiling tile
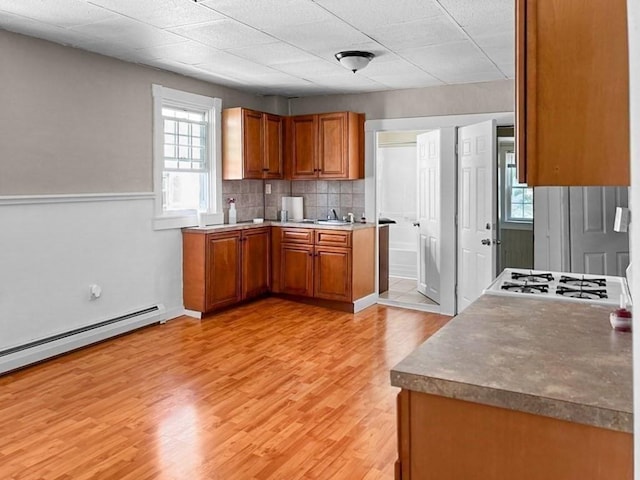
column 309, row 68
column 415, row 80
column 369, row 14
column 189, row 52
column 451, row 58
column 127, row 31
column 481, row 17
column 272, row 53
column 264, row 15
column 45, row 31
column 233, row 66
column 62, row 13
column 499, row 47
column 424, row 32
column 321, row 36
column 161, row 13
column 472, row 77
column 224, row 34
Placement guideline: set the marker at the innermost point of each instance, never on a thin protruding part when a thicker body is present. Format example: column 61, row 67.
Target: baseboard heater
column 38, row 350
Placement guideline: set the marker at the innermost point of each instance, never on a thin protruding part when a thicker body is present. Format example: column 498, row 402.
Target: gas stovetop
column 561, row 286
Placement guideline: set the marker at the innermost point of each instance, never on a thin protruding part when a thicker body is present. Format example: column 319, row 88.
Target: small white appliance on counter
column 294, row 207
column 578, row 287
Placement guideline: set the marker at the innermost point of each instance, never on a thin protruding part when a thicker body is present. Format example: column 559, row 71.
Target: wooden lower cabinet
column 256, row 264
column 296, row 269
column 448, row 439
column 336, row 265
column 332, row 273
column 221, row 269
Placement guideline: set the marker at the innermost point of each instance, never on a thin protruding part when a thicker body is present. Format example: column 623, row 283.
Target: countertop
column 274, row 223
column 554, row 358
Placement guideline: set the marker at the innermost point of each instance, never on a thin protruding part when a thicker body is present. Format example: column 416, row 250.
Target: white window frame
column 505, row 193
column 213, row 107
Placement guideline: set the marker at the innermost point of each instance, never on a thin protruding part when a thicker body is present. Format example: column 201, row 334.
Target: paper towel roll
column 294, row 206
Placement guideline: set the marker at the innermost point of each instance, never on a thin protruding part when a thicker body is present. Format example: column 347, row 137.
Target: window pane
column 196, row 154
column 169, row 151
column 169, row 126
column 183, row 128
column 169, row 139
column 528, row 195
column 517, row 195
column 183, row 140
column 516, row 211
column 528, row 212
column 196, row 116
column 182, row 191
column 168, row 112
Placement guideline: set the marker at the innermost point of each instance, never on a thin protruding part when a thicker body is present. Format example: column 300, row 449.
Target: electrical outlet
column 267, row 189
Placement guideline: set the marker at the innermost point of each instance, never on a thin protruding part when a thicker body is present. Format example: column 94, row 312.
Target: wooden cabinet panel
column 332, row 145
column 303, row 134
column 572, row 92
column 444, row 438
column 223, row 270
column 333, row 238
column 332, row 269
column 273, row 128
column 296, row 274
column 252, row 144
column 296, row 235
column 256, row 275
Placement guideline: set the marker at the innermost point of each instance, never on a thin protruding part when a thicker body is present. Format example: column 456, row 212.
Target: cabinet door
column 303, row 134
column 333, row 145
column 296, row 269
column 273, row 145
column 253, row 142
column 256, row 244
column 572, row 92
column 332, row 273
column 223, row 270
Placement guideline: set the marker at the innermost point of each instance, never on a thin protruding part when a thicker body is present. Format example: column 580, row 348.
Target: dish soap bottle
column 232, row 211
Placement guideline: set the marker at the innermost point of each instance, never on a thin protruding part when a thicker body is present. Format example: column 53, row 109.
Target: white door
column 428, row 221
column 477, row 207
column 595, row 247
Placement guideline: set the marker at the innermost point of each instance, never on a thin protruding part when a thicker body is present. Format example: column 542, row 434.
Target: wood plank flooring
column 269, row 390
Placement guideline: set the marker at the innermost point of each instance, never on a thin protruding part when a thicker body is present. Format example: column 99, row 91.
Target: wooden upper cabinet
column 572, row 92
column 303, row 131
column 252, row 144
column 273, row 130
column 328, row 145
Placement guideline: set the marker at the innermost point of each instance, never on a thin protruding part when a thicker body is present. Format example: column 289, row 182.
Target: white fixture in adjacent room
column 354, row 60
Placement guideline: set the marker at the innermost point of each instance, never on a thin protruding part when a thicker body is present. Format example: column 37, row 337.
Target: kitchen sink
column 333, row 222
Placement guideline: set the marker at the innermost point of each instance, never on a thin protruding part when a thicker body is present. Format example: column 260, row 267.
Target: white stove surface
column 600, row 289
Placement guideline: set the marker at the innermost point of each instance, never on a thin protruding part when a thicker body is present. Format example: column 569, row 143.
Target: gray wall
column 78, row 122
column 486, row 97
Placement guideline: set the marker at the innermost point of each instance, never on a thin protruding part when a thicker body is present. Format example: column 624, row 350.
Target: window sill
column 173, row 221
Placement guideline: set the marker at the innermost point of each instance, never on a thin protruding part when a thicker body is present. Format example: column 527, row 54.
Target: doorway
column 398, row 193
column 447, row 205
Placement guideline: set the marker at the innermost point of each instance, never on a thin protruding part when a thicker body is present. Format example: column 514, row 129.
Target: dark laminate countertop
column 559, row 359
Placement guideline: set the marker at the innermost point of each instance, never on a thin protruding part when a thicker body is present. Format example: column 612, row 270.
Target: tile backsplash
column 320, row 197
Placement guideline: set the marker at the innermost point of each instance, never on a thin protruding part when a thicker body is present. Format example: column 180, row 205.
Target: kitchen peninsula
column 518, row 388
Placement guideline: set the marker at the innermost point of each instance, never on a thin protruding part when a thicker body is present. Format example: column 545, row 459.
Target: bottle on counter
column 363, row 219
column 232, row 211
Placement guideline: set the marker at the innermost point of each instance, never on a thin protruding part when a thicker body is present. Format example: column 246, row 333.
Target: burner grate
column 590, row 293
column 583, row 282
column 526, row 287
column 533, row 277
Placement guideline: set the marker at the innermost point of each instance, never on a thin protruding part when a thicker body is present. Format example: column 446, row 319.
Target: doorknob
column 485, row 241
column 497, row 242
column 416, row 224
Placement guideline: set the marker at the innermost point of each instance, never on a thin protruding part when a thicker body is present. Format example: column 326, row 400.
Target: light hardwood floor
column 269, row 390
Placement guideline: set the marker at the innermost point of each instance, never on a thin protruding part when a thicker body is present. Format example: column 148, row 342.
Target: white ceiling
column 287, row 47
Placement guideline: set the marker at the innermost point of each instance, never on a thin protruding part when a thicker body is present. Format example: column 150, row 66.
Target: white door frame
column 447, row 123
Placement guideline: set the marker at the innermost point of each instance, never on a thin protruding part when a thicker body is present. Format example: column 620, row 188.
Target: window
column 518, row 197
column 186, row 156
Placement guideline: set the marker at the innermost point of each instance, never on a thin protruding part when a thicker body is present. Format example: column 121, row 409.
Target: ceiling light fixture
column 354, row 60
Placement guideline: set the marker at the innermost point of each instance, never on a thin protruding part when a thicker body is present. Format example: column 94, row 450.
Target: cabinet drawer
column 296, row 235
column 336, row 238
